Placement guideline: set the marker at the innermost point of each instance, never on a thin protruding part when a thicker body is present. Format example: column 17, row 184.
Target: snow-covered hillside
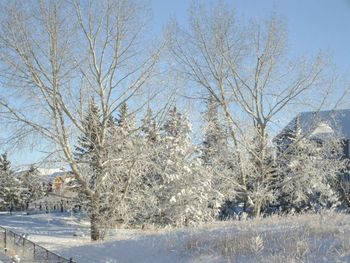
column 304, row 238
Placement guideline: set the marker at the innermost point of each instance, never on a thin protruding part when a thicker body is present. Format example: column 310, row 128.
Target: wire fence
column 28, row 251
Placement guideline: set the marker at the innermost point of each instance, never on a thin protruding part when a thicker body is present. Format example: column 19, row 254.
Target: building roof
column 319, row 124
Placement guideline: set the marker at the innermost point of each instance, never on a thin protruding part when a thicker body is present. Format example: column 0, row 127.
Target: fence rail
column 26, row 250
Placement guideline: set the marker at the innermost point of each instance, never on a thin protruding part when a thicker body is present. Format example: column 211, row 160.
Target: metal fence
column 26, row 250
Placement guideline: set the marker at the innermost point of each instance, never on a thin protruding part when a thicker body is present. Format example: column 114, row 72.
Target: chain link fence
column 26, row 250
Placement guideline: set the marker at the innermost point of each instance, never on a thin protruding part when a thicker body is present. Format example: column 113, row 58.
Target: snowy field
column 305, row 238
column 4, row 258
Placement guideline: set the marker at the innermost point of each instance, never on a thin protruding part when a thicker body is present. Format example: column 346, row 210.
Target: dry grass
column 303, row 238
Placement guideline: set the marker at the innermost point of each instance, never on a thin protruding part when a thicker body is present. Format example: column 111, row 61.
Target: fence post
column 23, row 247
column 5, row 239
column 34, row 250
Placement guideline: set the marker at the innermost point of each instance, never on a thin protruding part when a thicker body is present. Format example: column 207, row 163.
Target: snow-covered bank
column 304, row 238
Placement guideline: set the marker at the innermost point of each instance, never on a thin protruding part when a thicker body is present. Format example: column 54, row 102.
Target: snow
column 322, row 128
column 274, row 239
column 4, row 258
column 56, row 232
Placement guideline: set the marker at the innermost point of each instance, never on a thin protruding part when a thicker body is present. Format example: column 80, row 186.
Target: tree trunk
column 95, row 233
column 257, row 210
column 94, row 228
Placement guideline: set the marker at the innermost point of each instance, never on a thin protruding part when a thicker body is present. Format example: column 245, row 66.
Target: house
column 318, row 126
column 60, row 188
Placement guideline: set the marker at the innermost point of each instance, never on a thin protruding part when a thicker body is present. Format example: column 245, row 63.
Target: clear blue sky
column 313, row 24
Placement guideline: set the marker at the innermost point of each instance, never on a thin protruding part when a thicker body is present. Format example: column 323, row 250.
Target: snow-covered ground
column 4, row 258
column 69, row 237
column 306, row 238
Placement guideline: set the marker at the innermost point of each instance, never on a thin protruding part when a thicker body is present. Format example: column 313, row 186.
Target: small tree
column 10, row 188
column 31, row 187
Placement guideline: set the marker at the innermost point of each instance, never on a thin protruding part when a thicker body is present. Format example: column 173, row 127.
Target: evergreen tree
column 122, row 132
column 218, row 157
column 85, row 151
column 32, row 188
column 176, row 125
column 215, row 145
column 90, row 155
column 262, row 174
column 150, row 128
column 109, row 162
column 309, row 168
column 5, row 164
column 125, row 120
column 288, row 138
column 9, row 186
column 185, row 192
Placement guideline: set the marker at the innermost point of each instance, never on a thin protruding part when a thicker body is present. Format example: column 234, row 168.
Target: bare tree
column 55, row 56
column 248, row 70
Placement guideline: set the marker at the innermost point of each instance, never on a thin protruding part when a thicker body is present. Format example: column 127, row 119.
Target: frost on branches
column 187, row 194
column 309, row 170
column 153, row 175
column 105, row 152
column 218, row 156
column 32, row 187
column 10, row 197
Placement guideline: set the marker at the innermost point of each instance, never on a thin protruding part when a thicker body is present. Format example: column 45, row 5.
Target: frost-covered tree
column 85, row 150
column 31, row 186
column 309, row 168
column 117, row 160
column 246, row 67
column 146, row 174
column 343, row 186
column 186, row 194
column 112, row 160
column 217, row 154
column 122, row 133
column 10, row 188
column 123, row 149
column 125, row 119
column 90, row 157
column 215, row 144
column 150, row 128
column 260, row 164
column 166, row 183
column 55, row 55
